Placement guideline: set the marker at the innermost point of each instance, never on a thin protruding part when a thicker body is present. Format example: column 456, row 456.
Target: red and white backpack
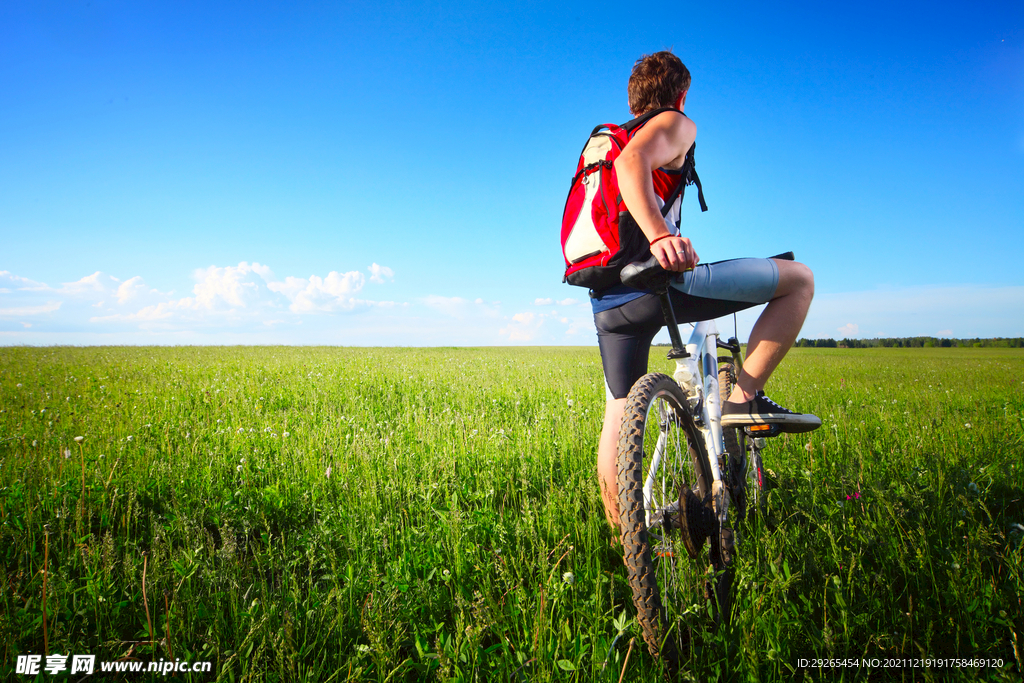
column 599, row 236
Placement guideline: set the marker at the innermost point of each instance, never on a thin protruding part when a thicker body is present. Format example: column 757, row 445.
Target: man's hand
column 675, row 254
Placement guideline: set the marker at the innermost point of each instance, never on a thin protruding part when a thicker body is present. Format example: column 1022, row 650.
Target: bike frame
column 697, row 375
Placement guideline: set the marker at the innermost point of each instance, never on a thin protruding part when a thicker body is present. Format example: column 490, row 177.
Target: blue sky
column 193, row 173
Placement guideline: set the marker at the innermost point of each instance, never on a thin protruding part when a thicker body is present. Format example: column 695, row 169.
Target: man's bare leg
column 607, row 452
column 776, row 329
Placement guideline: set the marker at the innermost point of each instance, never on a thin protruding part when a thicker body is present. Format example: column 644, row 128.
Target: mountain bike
column 678, row 472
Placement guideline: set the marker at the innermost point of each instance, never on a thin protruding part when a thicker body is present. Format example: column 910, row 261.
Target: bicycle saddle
column 646, row 275
column 651, row 276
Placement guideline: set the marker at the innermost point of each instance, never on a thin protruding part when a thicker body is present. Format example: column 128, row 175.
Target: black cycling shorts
column 624, row 334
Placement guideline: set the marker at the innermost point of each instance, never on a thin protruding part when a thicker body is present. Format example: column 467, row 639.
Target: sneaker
column 763, row 410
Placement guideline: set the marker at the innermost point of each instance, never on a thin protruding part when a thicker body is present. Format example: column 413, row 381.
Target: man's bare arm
column 662, row 143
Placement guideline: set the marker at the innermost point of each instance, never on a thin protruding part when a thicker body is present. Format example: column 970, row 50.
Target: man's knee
column 795, row 277
column 805, row 277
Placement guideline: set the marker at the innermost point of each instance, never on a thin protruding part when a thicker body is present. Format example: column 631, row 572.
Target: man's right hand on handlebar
column 674, row 253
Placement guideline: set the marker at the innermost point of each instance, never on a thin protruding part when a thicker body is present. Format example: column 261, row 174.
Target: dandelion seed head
column 569, row 578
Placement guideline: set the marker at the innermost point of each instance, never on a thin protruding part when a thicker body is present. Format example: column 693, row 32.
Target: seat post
column 678, row 350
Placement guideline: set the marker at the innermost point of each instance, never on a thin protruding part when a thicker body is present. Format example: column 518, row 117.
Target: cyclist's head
column 657, row 81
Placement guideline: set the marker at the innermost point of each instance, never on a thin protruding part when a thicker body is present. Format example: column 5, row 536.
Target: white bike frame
column 697, row 375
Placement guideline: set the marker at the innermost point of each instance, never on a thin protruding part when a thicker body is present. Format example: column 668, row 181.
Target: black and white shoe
column 761, row 410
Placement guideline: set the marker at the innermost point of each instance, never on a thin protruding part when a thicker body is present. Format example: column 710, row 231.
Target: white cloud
column 458, row 307
column 230, row 285
column 330, row 293
column 378, row 273
column 20, row 283
column 524, row 327
column 263, row 271
column 289, row 287
column 975, row 310
column 89, row 283
column 247, row 303
column 551, row 302
column 129, row 289
column 18, row 312
column 233, row 297
column 971, row 310
column 944, row 333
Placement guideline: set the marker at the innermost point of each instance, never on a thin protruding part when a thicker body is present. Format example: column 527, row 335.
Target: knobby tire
column 663, row 577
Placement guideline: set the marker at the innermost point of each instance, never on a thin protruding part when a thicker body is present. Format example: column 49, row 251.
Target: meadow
column 342, row 514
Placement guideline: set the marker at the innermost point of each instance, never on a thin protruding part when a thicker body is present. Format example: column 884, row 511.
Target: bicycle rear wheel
column 664, row 478
column 743, row 468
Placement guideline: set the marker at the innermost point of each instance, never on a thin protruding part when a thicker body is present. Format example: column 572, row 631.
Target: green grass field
column 335, row 514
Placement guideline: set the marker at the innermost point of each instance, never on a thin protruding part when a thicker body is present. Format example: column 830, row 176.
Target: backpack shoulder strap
column 635, row 124
column 690, row 176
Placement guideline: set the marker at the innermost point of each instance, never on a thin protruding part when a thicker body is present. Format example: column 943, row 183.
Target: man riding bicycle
column 627, row 319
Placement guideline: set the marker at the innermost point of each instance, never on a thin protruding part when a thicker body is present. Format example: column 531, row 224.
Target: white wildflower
column 569, row 578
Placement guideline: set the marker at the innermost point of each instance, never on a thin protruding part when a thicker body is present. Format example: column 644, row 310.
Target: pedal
column 762, row 431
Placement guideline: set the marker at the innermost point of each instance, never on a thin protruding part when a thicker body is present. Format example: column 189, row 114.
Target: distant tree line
column 912, row 343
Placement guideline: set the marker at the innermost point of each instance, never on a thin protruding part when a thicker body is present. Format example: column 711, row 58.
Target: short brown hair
column 657, row 80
